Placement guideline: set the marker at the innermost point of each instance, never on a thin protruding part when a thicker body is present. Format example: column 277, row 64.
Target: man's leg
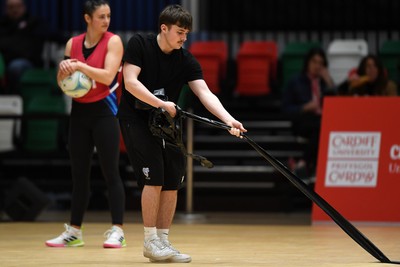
column 167, row 208
column 146, row 156
column 165, row 217
column 150, row 205
column 154, row 249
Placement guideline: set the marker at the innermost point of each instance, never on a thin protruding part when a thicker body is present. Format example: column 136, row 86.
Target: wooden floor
column 211, row 240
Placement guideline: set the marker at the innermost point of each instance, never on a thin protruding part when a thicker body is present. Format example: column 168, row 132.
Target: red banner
column 359, row 159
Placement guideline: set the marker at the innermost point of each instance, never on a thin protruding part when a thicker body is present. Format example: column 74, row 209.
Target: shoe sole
column 63, row 245
column 158, row 258
column 171, row 260
column 112, row 246
column 180, row 258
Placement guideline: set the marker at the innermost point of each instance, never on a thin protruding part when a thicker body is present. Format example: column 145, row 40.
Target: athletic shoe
column 115, row 238
column 72, row 237
column 156, row 250
column 178, row 258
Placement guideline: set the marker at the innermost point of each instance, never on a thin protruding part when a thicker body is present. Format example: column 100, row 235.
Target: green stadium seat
column 292, row 59
column 37, row 81
column 186, row 97
column 2, row 67
column 2, row 72
column 40, row 76
column 43, row 134
column 389, row 53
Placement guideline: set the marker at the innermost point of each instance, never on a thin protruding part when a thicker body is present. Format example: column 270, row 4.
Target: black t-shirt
column 158, row 70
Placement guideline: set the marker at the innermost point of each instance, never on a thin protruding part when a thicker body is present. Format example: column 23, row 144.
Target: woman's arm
column 65, row 67
column 111, row 64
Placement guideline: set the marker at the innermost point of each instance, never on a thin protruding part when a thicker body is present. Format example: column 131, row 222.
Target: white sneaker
column 72, row 237
column 178, row 258
column 156, row 250
column 115, row 238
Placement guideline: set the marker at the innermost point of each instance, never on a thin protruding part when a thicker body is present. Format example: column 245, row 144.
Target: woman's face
column 100, row 19
column 371, row 70
column 315, row 65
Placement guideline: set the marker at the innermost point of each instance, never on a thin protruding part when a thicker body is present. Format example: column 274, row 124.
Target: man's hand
column 237, row 128
column 169, row 107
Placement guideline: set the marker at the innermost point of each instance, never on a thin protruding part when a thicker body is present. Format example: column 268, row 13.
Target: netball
column 77, row 85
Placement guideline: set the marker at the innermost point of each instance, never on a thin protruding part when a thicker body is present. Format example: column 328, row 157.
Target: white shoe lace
column 68, row 231
column 157, row 242
column 110, row 232
column 168, row 244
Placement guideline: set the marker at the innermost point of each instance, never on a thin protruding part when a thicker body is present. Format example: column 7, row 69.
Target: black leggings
column 308, row 126
column 85, row 133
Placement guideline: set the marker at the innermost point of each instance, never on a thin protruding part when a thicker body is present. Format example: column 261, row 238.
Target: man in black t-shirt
column 155, row 69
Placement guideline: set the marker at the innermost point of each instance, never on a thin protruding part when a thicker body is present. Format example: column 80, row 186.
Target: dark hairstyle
column 361, row 70
column 381, row 80
column 91, row 5
column 175, row 15
column 22, row 1
column 310, row 54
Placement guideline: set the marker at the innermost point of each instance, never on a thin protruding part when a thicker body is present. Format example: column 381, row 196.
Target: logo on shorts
column 146, row 172
column 182, row 179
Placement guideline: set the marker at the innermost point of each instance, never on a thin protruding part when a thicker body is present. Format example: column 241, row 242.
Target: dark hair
column 361, row 70
column 91, row 5
column 381, row 80
column 175, row 15
column 310, row 54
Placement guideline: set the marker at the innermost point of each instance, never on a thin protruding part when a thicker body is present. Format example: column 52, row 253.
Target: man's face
column 176, row 36
column 15, row 9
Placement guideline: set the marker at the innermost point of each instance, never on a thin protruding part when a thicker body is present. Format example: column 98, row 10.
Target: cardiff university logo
column 395, row 152
column 394, row 164
column 353, row 159
column 146, row 172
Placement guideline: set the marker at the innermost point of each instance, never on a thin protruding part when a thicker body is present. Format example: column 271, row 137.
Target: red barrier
column 359, row 159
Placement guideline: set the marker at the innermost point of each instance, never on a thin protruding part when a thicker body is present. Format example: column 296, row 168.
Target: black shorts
column 154, row 161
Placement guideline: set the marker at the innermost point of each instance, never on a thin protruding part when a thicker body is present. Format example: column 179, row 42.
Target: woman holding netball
column 97, row 53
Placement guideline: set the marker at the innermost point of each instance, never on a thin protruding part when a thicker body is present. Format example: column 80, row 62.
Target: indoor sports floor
column 212, row 239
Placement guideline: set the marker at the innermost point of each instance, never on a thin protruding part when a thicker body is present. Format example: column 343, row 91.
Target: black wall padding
column 294, row 15
column 24, row 201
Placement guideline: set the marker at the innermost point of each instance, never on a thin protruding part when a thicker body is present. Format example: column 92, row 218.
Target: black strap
column 162, row 125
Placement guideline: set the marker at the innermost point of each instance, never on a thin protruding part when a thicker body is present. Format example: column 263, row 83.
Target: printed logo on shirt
column 146, row 172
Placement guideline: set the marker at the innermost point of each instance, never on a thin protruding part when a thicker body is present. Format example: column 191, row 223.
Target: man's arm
column 214, row 105
column 137, row 89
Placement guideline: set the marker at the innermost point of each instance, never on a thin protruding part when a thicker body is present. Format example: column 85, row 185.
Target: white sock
column 75, row 230
column 150, row 233
column 163, row 234
column 119, row 229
